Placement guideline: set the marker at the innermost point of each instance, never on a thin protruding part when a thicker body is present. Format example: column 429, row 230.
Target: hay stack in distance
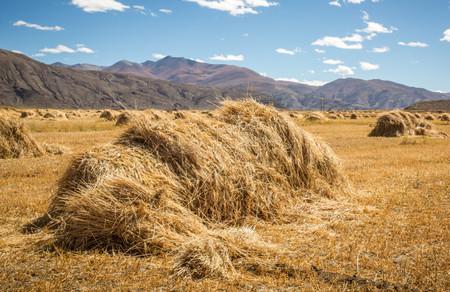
column 124, row 119
column 15, row 141
column 400, row 123
column 353, row 116
column 315, row 117
column 107, row 115
column 165, row 184
column 445, row 117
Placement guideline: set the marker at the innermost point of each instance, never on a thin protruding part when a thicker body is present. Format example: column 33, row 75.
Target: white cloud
column 158, row 56
column 332, row 62
column 366, row 66
column 60, row 49
column 18, row 52
column 37, row 55
column 235, row 7
column 335, row 3
column 354, row 1
column 85, row 50
column 306, row 82
column 57, row 50
column 222, row 57
column 319, row 51
column 311, row 72
column 287, row 51
column 342, row 70
column 446, row 37
column 38, row 26
column 376, row 28
column 92, row 6
column 380, row 50
column 165, row 11
column 413, row 44
column 352, row 42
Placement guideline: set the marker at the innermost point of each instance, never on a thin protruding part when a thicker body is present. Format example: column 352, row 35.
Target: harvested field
column 390, row 230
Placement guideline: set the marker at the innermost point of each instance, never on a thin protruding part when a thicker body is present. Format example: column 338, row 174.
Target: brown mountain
column 342, row 93
column 28, row 83
column 432, row 105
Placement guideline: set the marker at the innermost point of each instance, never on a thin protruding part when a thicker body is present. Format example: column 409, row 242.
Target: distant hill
column 25, row 82
column 432, row 105
column 342, row 93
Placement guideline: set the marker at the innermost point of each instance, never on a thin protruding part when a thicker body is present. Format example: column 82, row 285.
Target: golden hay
column 15, row 141
column 399, row 123
column 167, row 183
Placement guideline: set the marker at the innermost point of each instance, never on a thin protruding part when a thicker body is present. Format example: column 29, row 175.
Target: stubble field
column 392, row 231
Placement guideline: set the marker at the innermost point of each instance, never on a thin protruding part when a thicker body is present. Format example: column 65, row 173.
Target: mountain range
column 183, row 83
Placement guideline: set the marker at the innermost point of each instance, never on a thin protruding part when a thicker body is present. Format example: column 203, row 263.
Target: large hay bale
column 399, row 123
column 163, row 183
column 15, row 141
column 26, row 114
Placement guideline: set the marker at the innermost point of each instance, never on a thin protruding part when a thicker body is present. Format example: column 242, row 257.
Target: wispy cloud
column 165, row 11
column 93, row 6
column 288, row 51
column 414, row 44
column 222, row 57
column 60, row 49
column 235, row 7
column 38, row 26
column 332, row 62
column 380, row 50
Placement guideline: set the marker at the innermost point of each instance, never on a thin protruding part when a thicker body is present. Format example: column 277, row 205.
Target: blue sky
column 311, row 41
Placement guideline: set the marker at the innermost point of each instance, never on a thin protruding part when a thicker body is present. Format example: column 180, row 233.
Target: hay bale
column 399, row 123
column 429, row 117
column 124, row 119
column 315, row 117
column 107, row 115
column 445, row 117
column 353, row 116
column 26, row 114
column 49, row 116
column 16, row 141
column 162, row 185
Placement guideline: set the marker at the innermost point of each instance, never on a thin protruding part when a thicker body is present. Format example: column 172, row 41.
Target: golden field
column 394, row 228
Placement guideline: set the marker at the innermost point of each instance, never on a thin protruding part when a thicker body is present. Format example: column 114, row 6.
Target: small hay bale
column 445, row 117
column 353, row 116
column 26, row 114
column 124, row 118
column 315, row 117
column 54, row 149
column 429, row 117
column 399, row 123
column 49, row 116
column 16, row 141
column 107, row 115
